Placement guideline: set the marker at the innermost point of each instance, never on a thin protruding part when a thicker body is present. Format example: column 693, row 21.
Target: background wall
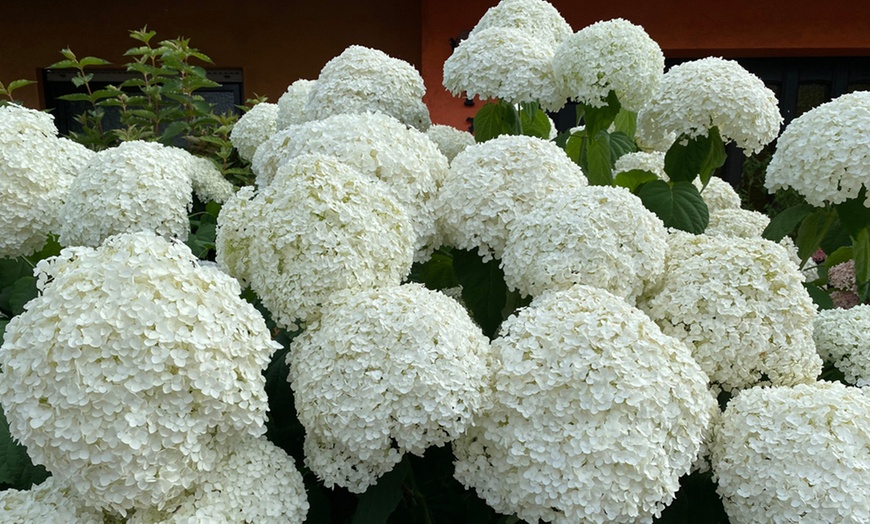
column 274, row 41
column 683, row 28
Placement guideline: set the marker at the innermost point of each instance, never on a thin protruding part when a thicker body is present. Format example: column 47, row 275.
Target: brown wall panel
column 274, row 41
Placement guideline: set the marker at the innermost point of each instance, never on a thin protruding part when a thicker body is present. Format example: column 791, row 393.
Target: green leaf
column 861, row 248
column 213, row 209
column 16, row 469
column 696, row 501
column 812, row 230
column 633, row 179
column 380, row 501
column 92, row 61
column 599, row 167
column 81, row 80
column 820, row 297
column 785, row 222
column 574, row 146
column 853, row 215
column 484, row 291
column 172, row 130
column 621, row 144
column 534, row 121
column 494, row 119
column 3, row 323
column 16, row 84
column 690, row 157
column 679, row 206
column 599, row 118
column 64, row 64
column 843, row 254
column 626, row 122
column 437, row 272
column 22, row 292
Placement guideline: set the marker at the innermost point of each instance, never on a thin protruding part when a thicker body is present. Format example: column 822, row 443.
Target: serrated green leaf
column 484, row 291
column 678, row 205
column 201, row 56
column 380, row 501
column 633, row 179
column 812, row 231
column 698, row 156
column 16, row 469
column 599, row 118
column 213, row 209
column 853, row 215
column 76, row 97
column 172, row 130
column 820, row 297
column 574, row 146
column 22, row 292
column 93, row 61
column 621, row 144
column 494, row 119
column 626, row 122
column 843, row 254
column 534, row 121
column 81, row 80
column 17, row 84
column 785, row 222
column 599, row 167
column 861, row 250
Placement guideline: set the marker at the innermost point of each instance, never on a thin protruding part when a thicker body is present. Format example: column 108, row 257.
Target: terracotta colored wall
column 275, row 41
column 683, row 28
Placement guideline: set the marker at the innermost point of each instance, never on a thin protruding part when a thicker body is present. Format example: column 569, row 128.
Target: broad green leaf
column 853, row 215
column 16, row 469
column 16, row 84
column 437, row 272
column 380, row 501
column 100, row 94
column 785, row 222
column 820, row 297
column 626, row 122
column 620, row 144
column 22, row 292
column 172, row 131
column 633, row 179
column 93, row 61
column 213, row 209
column 494, row 119
column 483, row 289
column 534, row 121
column 599, row 167
column 843, row 254
column 679, row 206
column 3, row 323
column 64, row 64
column 861, row 248
column 812, row 230
column 691, row 157
column 574, row 146
column 599, row 118
column 81, row 80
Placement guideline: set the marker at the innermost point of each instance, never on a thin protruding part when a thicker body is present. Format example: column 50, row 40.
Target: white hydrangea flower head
column 594, row 235
column 208, row 182
column 364, row 80
column 652, row 161
column 822, row 154
column 256, row 126
column 489, row 184
column 384, row 372
column 504, row 63
column 74, row 157
column 320, row 227
column 596, row 414
column 614, row 55
column 697, row 95
column 377, row 145
column 740, row 306
column 737, row 222
column 794, row 454
column 36, row 170
column 49, row 502
column 533, row 17
column 843, row 338
column 133, row 370
column 450, row 141
column 718, row 194
column 291, row 105
column 137, row 186
column 257, row 482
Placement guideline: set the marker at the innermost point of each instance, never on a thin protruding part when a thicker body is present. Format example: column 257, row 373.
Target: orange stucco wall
column 683, row 28
column 274, row 41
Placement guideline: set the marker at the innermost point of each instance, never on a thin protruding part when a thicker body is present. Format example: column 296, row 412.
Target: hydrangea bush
column 471, row 334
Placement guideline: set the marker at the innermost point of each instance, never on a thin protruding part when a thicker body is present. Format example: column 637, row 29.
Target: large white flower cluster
column 737, row 222
column 253, row 128
column 256, row 483
column 137, row 186
column 207, row 181
column 50, row 502
column 594, row 235
column 596, row 414
column 504, row 63
column 133, row 370
column 384, row 372
column 362, row 80
column 740, row 306
column 377, row 145
column 652, row 161
column 795, row 455
column 823, row 154
column 537, row 18
column 291, row 105
column 698, row 95
column 843, row 338
column 490, row 184
column 450, row 141
column 36, row 170
column 613, row 55
column 321, row 226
